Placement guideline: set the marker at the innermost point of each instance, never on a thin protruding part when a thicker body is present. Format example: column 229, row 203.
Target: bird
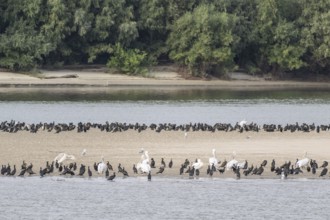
column 89, row 172
column 170, row 164
column 324, row 171
column 161, row 169
column 232, row 162
column 325, row 164
column 198, row 165
column 112, row 177
column 303, row 162
column 152, row 163
column 224, row 163
column 149, row 176
column 42, row 172
column 107, row 173
column 163, row 163
column 82, row 170
column 101, row 167
column 134, row 169
column 181, row 169
column 264, row 163
column 22, row 172
column 213, row 160
column 83, row 153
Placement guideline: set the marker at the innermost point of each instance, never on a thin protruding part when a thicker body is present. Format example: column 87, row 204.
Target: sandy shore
column 166, row 77
column 123, row 148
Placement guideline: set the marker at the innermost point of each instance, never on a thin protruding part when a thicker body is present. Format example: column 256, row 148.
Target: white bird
column 303, row 162
column 242, row 123
column 83, row 153
column 144, row 165
column 185, row 135
column 101, row 167
column 197, row 165
column 232, row 163
column 213, row 160
column 63, row 156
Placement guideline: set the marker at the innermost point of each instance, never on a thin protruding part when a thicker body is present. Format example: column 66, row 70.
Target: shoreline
column 123, row 148
column 88, row 79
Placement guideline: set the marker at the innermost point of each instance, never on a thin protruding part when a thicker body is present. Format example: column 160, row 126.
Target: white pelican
column 242, row 123
column 144, row 165
column 303, row 162
column 232, row 163
column 63, row 156
column 101, row 167
column 213, row 160
column 197, row 165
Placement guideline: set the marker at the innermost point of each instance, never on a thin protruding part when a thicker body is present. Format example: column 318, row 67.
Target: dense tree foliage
column 205, row 36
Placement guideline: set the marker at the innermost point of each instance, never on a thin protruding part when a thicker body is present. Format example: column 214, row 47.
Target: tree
column 202, row 40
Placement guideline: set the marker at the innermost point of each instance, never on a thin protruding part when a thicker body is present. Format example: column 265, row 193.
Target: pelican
column 101, row 167
column 303, row 162
column 144, row 165
column 232, row 163
column 213, row 160
column 63, row 156
column 242, row 123
column 197, row 165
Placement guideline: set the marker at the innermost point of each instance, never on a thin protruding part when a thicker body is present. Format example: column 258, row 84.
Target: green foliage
column 131, row 61
column 201, row 39
column 206, row 36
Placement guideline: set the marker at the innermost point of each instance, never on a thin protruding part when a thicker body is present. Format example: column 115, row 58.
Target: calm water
column 172, row 106
column 163, row 198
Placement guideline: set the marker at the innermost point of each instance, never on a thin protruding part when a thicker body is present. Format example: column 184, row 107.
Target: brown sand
column 123, row 148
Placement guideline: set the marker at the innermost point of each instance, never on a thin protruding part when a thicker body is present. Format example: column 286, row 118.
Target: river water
column 165, row 198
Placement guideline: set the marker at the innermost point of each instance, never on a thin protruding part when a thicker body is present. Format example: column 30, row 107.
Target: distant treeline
column 203, row 36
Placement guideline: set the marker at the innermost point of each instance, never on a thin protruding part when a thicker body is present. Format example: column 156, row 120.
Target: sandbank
column 123, row 147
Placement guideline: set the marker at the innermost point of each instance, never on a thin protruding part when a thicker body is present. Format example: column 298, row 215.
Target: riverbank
column 169, row 78
column 123, row 147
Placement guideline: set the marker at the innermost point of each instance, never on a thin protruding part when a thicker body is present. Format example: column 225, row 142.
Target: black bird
column 112, row 177
column 181, row 169
column 124, row 172
column 42, row 172
column 161, row 169
column 152, row 163
column 82, row 170
column 57, row 164
column 163, row 163
column 120, row 169
column 222, row 170
column 197, row 172
column 29, row 170
column 186, row 163
column 272, row 166
column 23, row 165
column 238, row 173
column 22, row 172
column 13, row 172
column 308, row 169
column 74, row 166
column 191, row 172
column 224, row 163
column 324, row 171
column 109, row 166
column 134, row 169
column 89, row 172
column 325, row 164
column 170, row 164
column 107, row 173
column 260, row 170
column 208, row 170
column 95, row 166
column 264, row 163
column 60, row 168
column 149, row 176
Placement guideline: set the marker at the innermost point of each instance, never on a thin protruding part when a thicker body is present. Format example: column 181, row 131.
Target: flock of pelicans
column 14, row 126
column 62, row 166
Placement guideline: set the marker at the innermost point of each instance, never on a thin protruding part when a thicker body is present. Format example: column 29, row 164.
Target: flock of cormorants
column 191, row 169
column 14, row 126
